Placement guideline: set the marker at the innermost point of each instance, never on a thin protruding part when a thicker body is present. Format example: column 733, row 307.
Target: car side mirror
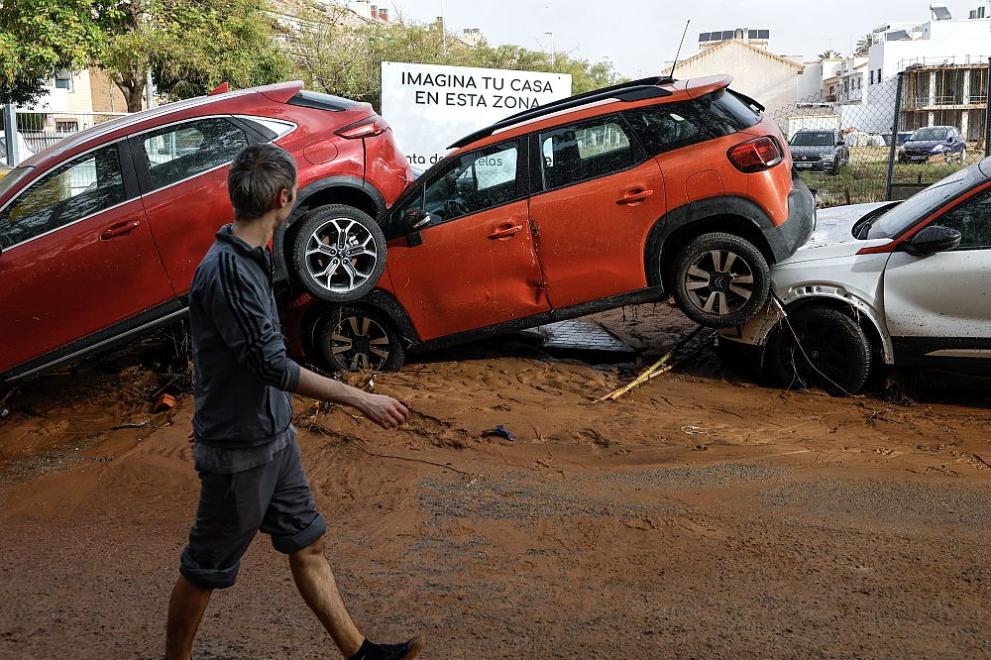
column 840, row 143
column 410, row 224
column 933, row 239
column 414, row 220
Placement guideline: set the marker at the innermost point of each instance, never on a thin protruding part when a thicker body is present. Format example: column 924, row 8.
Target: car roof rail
column 633, row 90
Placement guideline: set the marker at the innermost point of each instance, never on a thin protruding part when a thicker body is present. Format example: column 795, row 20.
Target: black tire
column 321, row 270
column 840, row 352
column 720, row 286
column 352, row 338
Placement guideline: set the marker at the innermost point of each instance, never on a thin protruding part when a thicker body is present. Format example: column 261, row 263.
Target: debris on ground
column 662, row 366
column 164, row 402
column 499, row 431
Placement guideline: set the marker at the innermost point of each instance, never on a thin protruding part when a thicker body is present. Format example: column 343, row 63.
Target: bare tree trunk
column 133, row 89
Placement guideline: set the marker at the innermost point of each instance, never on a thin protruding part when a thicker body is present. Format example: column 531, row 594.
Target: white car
column 905, row 284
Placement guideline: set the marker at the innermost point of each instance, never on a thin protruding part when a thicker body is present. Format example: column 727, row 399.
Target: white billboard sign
column 431, row 106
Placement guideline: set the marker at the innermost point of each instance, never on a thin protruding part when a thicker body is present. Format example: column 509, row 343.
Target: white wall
column 772, row 82
column 959, row 39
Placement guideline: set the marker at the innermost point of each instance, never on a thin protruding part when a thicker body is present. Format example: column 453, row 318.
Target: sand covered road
column 701, row 516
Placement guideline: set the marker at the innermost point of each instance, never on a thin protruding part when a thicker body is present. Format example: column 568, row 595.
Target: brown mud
column 700, row 516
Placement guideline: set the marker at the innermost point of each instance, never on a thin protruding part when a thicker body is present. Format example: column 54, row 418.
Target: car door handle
column 119, row 229
column 505, row 231
column 635, row 196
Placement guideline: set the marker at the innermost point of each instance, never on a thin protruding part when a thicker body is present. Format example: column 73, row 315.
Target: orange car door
column 476, row 266
column 596, row 194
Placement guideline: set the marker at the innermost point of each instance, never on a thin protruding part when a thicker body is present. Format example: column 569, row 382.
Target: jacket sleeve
column 240, row 311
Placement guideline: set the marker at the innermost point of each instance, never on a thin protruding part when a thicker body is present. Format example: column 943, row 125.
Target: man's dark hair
column 256, row 176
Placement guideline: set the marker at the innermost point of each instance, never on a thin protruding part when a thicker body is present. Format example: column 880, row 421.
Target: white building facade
column 937, row 42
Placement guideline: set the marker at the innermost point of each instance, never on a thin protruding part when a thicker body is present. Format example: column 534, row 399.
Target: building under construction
column 947, row 94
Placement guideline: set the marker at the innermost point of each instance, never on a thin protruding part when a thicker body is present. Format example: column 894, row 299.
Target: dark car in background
column 943, row 142
column 819, row 150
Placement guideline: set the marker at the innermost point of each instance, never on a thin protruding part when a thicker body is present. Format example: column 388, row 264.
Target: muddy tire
column 720, row 280
column 352, row 338
column 835, row 353
column 338, row 253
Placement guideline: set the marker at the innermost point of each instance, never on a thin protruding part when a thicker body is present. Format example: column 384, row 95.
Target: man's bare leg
column 186, row 608
column 317, row 586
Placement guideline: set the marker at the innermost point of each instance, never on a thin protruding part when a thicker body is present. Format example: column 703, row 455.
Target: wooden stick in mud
column 645, row 375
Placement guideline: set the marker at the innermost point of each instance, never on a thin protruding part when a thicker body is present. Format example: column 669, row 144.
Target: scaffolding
column 948, row 94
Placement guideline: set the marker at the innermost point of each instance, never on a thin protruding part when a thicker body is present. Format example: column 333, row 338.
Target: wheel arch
column 674, row 229
column 378, row 300
column 347, row 190
column 858, row 310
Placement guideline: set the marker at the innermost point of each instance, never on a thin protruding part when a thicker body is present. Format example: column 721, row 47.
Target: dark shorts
column 274, row 498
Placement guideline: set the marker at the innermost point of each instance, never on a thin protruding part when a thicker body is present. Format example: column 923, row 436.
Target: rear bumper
column 796, row 230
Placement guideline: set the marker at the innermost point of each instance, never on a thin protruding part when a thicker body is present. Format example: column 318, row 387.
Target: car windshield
column 812, row 140
column 927, row 134
column 921, row 204
column 8, row 180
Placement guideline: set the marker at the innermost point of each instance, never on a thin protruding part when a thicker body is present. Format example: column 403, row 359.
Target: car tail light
column 369, row 127
column 755, row 155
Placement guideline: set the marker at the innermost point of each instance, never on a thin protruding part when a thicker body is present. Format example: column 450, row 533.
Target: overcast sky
column 640, row 36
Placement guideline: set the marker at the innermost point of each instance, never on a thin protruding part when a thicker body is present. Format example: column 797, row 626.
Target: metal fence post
column 893, row 148
column 987, row 113
column 10, row 134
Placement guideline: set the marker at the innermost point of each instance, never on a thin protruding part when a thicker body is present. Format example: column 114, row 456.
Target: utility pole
column 443, row 27
column 553, row 51
column 10, row 134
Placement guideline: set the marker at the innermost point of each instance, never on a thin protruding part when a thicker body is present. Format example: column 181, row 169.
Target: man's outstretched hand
column 383, row 410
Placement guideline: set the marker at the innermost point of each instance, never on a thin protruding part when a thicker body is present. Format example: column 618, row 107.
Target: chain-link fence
column 866, row 138
column 39, row 130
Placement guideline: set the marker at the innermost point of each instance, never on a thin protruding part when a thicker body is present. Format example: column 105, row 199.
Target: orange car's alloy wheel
column 720, row 282
column 354, row 338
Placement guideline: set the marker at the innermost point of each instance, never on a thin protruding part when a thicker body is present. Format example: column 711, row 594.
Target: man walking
column 245, row 445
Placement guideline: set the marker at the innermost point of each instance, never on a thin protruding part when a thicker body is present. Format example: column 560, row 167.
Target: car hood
column 833, row 235
column 811, row 151
column 923, row 145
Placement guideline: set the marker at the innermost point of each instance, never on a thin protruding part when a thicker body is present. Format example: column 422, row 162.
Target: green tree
column 212, row 41
column 828, row 55
column 864, row 45
column 190, row 46
column 39, row 36
column 338, row 57
column 331, row 56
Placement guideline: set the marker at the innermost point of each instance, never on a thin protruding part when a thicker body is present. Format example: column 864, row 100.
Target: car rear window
column 670, row 126
column 667, row 126
column 812, row 140
column 733, row 111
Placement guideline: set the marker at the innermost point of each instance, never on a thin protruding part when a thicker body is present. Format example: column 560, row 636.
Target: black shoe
column 405, row 651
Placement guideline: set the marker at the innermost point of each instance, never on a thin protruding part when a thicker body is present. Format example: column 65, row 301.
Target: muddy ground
column 702, row 516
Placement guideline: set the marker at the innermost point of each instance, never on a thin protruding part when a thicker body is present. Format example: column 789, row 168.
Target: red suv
column 604, row 199
column 100, row 234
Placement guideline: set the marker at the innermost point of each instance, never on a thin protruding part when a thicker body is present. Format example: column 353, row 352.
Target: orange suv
column 609, row 198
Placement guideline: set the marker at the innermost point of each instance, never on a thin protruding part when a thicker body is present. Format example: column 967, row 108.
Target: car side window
column 179, row 152
column 572, row 154
column 475, row 182
column 973, row 220
column 663, row 128
column 85, row 185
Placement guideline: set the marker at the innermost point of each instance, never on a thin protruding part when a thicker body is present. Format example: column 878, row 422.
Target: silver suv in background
column 819, row 150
